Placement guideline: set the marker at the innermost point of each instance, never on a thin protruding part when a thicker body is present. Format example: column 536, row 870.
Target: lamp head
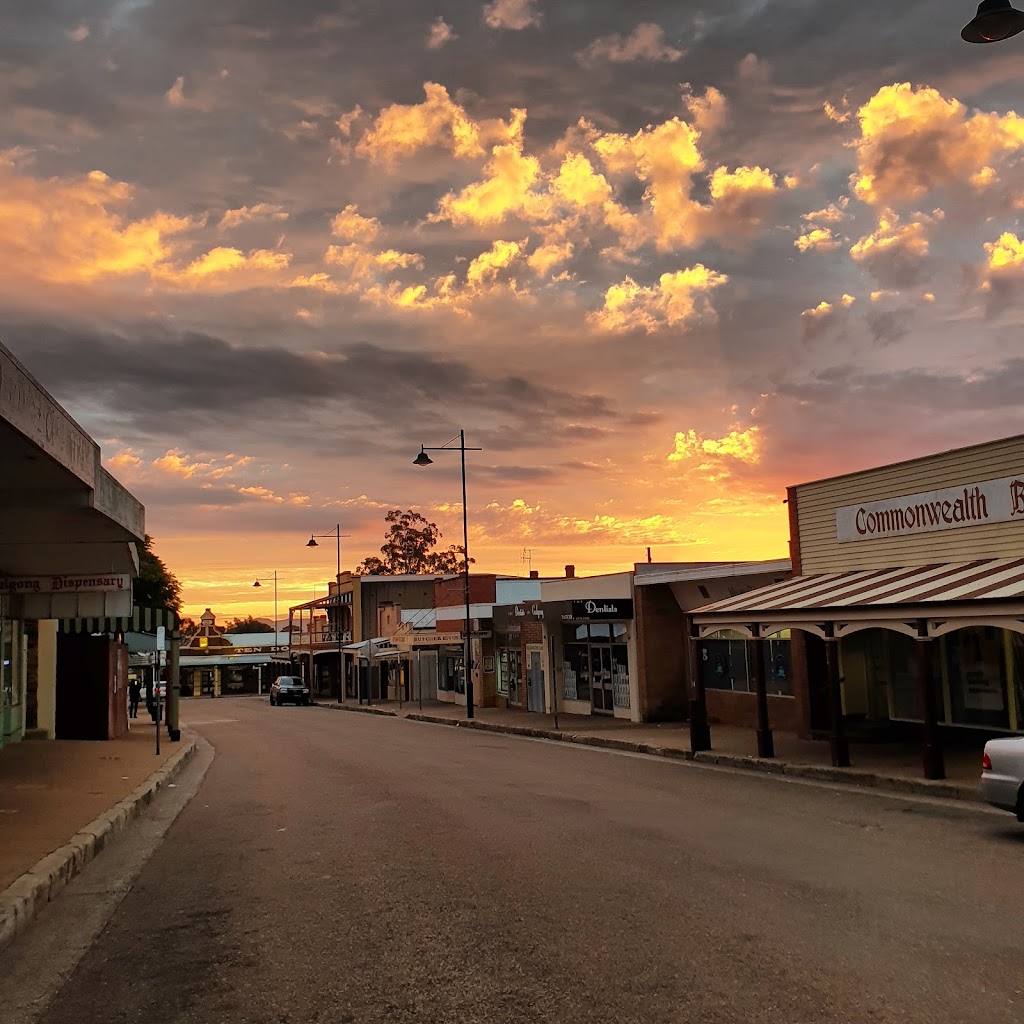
column 996, row 20
column 423, row 459
column 257, row 584
column 311, row 543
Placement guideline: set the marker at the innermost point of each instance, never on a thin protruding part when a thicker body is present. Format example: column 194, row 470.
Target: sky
column 658, row 260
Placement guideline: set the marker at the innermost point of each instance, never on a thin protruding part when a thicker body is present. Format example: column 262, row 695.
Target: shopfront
column 589, row 628
column 519, row 655
column 907, row 600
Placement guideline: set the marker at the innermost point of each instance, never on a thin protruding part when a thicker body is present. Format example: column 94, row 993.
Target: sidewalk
column 890, row 766
column 50, row 790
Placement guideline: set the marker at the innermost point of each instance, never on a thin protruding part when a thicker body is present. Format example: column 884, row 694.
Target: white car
column 1002, row 775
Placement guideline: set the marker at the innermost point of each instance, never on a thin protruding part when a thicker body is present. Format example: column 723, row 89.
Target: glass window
column 576, row 672
column 777, row 667
column 723, row 665
column 620, row 631
column 600, row 631
column 8, row 691
column 975, row 661
column 503, row 671
column 620, row 675
column 906, row 697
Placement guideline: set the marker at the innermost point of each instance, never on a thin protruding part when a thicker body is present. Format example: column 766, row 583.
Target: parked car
column 288, row 689
column 1002, row 775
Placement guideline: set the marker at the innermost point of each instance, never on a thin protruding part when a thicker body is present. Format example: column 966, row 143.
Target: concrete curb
column 25, row 897
column 362, row 710
column 768, row 766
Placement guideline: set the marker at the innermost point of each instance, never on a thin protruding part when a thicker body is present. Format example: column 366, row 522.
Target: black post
column 700, row 730
column 838, row 744
column 932, row 758
column 554, row 678
column 765, row 739
column 465, row 560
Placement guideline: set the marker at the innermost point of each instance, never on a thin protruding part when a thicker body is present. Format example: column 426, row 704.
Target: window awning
column 985, row 591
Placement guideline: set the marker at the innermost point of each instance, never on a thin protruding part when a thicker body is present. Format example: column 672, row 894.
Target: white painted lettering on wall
column 992, row 501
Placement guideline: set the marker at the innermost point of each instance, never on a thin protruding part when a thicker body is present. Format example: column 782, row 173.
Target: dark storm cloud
column 175, row 379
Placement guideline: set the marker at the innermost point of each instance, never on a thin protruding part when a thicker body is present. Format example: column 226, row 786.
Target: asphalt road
column 341, row 868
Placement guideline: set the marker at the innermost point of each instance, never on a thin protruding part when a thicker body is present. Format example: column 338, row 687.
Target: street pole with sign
column 161, row 644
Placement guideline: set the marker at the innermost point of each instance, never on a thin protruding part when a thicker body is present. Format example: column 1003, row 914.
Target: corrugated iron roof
column 984, row 579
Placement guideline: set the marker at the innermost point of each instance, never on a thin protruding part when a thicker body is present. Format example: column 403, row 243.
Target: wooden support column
column 837, row 734
column 700, row 730
column 755, row 659
column 932, row 758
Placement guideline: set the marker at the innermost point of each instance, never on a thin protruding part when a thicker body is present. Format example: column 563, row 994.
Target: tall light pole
column 995, row 21
column 260, row 580
column 423, row 459
column 311, row 543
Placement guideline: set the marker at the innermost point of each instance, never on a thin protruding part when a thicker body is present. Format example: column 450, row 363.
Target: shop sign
column 426, row 639
column 258, row 650
column 83, row 584
column 992, row 501
column 611, row 608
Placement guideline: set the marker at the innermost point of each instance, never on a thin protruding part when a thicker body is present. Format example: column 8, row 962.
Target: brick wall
column 661, row 649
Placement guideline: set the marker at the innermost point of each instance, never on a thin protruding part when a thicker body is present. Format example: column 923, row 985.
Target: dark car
column 288, row 690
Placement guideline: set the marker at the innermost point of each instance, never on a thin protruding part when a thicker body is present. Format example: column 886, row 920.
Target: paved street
column 338, row 868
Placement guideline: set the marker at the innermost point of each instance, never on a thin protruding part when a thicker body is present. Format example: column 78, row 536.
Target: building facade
column 906, row 605
column 68, row 536
column 218, row 664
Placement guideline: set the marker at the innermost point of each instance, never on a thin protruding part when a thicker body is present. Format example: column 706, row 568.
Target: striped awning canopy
column 991, row 588
column 142, row 620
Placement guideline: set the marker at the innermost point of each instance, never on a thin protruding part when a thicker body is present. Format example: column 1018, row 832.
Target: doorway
column 602, row 686
column 534, row 679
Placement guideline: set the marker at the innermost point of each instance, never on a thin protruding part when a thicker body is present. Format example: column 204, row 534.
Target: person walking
column 134, row 696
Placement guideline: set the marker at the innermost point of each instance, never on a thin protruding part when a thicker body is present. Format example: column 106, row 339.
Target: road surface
column 336, row 867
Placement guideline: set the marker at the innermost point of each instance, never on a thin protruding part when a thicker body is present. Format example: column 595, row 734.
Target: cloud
column 513, row 15
column 483, row 271
column 400, row 130
column 546, row 257
column 175, row 96
column 351, row 226
column 913, row 140
column 225, row 269
column 741, row 445
column 507, row 190
column 440, row 34
column 820, row 239
column 678, row 300
column 1004, row 271
column 834, row 213
column 645, row 42
column 79, row 35
column 67, row 230
column 244, row 214
column 893, row 253
column 819, row 318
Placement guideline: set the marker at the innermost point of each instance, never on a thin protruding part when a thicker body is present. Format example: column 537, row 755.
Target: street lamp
column 311, row 543
column 423, row 459
column 260, row 580
column 996, row 20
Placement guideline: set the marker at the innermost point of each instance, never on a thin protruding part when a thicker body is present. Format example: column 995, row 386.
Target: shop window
column 503, row 671
column 620, row 675
column 975, row 664
column 576, row 672
column 778, row 667
column 902, row 658
column 723, row 665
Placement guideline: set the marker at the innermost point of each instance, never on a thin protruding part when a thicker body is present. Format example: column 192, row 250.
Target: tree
column 189, row 627
column 156, row 586
column 410, row 546
column 248, row 625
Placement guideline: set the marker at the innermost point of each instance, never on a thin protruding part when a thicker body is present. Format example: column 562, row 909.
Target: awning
column 380, row 646
column 200, row 661
column 990, row 591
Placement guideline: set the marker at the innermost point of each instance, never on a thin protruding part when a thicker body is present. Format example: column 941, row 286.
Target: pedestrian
column 134, row 696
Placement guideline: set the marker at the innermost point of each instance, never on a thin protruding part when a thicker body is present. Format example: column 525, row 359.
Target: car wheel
column 271, row 700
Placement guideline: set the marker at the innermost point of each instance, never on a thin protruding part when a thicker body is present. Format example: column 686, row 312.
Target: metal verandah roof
column 941, row 582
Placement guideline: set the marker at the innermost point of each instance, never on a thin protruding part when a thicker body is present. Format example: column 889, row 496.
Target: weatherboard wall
column 821, row 551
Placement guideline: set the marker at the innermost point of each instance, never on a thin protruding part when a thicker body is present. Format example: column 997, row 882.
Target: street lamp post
column 311, row 543
column 423, row 459
column 260, row 580
column 995, row 21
